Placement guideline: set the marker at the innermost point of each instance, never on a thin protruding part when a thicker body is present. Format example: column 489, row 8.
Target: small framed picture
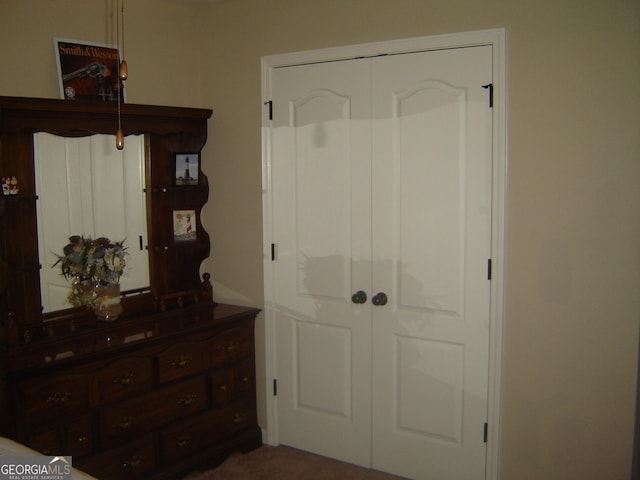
column 186, row 169
column 88, row 70
column 184, row 226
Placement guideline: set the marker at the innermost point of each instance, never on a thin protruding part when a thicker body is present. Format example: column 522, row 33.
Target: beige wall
column 573, row 210
column 162, row 47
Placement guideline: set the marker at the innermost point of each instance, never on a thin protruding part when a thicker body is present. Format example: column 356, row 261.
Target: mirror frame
column 173, row 266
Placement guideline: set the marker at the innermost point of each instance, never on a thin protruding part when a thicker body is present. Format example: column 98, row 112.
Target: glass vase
column 107, row 304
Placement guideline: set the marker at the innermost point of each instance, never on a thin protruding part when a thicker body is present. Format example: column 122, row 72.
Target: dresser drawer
column 182, row 360
column 47, row 441
column 74, row 437
column 188, row 437
column 231, row 383
column 231, row 345
column 197, row 433
column 124, row 377
column 235, row 417
column 54, row 398
column 150, row 411
column 132, row 461
column 78, row 437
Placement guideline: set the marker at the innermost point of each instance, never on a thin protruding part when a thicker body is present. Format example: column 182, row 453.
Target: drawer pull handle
column 183, row 442
column 222, row 387
column 245, row 379
column 124, row 423
column 133, row 462
column 188, row 400
column 81, row 439
column 238, row 418
column 59, row 398
column 126, row 379
column 181, row 362
column 232, row 345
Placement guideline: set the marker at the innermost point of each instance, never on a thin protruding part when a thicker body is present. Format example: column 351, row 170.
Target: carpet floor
column 286, row 463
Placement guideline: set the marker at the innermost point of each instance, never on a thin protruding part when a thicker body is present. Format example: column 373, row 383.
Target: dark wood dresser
column 168, row 387
column 159, row 395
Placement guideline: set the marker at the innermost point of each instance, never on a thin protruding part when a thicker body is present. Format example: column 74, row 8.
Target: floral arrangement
column 90, row 263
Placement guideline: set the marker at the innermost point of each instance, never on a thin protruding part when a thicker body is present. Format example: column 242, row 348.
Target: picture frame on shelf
column 186, row 172
column 185, row 228
column 88, row 70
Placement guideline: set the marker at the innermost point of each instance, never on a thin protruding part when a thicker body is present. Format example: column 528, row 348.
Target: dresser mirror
column 30, row 301
column 86, row 186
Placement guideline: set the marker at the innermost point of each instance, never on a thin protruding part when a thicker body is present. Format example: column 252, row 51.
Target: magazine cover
column 87, row 70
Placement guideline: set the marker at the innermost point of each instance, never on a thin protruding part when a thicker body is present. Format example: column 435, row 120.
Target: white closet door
column 431, row 245
column 381, row 177
column 322, row 180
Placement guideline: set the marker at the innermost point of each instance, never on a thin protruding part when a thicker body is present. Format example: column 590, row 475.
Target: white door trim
column 495, row 38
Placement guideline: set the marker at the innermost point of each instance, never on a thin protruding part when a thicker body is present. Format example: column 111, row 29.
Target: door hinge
column 273, row 252
column 490, row 87
column 489, row 269
column 486, row 432
column 275, row 387
column 270, row 104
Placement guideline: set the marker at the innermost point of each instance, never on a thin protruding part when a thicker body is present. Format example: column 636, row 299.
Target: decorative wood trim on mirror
column 173, row 270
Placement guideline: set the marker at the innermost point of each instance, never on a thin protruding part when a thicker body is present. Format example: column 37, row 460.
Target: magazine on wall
column 87, row 70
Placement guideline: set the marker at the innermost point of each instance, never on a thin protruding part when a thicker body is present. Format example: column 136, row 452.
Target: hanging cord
column 122, row 20
column 119, row 134
column 123, row 71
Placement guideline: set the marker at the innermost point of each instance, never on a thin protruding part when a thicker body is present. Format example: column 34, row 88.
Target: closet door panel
column 431, row 243
column 428, row 126
column 321, row 176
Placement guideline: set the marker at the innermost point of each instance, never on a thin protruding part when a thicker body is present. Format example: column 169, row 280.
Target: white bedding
column 8, row 448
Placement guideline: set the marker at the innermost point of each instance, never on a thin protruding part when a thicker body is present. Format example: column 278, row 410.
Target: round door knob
column 379, row 299
column 359, row 297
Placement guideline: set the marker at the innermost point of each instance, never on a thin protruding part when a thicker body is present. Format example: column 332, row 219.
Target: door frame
column 497, row 39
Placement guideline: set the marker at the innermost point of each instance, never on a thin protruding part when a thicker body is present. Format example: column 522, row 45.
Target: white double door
column 381, row 178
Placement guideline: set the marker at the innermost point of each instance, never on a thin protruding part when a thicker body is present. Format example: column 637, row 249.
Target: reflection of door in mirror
column 87, row 187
